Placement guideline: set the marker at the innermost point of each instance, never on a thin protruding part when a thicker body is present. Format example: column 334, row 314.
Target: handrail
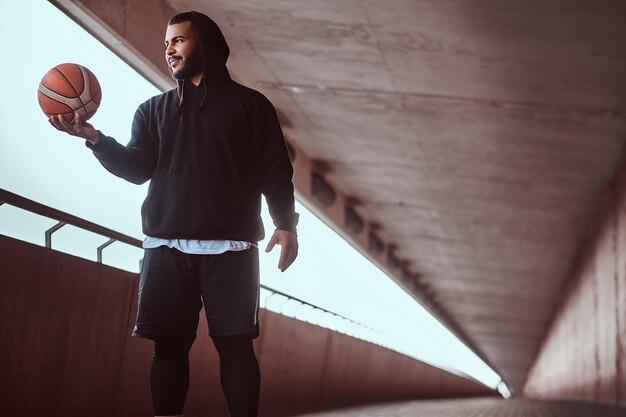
column 64, row 218
column 306, row 303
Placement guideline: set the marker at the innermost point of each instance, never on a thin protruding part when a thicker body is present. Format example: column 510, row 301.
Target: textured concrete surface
column 584, row 353
column 480, row 408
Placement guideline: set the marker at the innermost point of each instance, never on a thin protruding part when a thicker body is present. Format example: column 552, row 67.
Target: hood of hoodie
column 215, row 52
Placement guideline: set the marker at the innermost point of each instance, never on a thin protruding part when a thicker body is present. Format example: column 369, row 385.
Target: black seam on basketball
column 71, row 85
column 55, row 92
column 59, row 103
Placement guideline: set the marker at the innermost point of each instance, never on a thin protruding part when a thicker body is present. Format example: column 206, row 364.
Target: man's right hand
column 78, row 128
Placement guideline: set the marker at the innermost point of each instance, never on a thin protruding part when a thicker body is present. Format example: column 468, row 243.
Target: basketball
column 69, row 88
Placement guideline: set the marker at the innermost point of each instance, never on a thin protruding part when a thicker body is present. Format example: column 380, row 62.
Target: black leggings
column 239, row 374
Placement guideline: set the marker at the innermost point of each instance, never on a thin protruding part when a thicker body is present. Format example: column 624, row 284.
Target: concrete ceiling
column 475, row 138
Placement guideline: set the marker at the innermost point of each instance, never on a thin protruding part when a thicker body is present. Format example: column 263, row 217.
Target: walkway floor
column 481, row 407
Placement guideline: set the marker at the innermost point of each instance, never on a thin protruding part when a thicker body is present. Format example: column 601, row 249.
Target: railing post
column 52, row 230
column 101, row 248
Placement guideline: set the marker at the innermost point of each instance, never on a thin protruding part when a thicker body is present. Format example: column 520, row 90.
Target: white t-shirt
column 197, row 247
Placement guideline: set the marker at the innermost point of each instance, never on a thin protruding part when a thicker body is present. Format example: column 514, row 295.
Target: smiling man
column 210, row 148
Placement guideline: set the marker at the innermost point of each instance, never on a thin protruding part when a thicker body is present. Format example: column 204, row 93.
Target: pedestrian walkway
column 480, row 407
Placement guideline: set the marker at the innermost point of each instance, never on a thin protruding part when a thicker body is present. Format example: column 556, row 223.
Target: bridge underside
column 464, row 147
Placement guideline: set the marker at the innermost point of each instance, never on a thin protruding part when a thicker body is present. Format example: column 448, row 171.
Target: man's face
column 182, row 51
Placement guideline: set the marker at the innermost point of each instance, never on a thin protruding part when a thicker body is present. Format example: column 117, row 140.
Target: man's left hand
column 289, row 247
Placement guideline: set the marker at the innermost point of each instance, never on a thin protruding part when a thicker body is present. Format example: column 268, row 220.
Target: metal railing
column 64, row 219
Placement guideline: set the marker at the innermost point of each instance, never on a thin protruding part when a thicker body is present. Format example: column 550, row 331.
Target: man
column 210, row 148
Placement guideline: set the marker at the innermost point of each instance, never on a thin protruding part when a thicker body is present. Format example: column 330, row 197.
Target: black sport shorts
column 174, row 285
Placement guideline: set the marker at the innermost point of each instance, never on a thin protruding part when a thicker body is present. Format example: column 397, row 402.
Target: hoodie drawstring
column 181, row 95
column 203, row 97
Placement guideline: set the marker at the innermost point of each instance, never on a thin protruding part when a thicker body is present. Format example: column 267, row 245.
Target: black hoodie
column 209, row 153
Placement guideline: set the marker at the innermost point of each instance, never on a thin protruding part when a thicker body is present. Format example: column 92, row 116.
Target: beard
column 192, row 65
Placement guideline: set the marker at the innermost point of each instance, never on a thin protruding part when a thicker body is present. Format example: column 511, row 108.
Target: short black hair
column 183, row 17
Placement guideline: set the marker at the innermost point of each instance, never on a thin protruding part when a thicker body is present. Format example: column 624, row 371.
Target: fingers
column 272, row 243
column 284, row 253
column 287, row 256
column 78, row 119
column 59, row 123
column 289, row 248
column 76, row 128
column 67, row 127
column 54, row 122
column 288, row 253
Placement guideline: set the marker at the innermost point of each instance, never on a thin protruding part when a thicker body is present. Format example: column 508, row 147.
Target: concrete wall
column 65, row 350
column 583, row 355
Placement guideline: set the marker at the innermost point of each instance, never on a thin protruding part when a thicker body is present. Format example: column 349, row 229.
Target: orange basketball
column 69, row 88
